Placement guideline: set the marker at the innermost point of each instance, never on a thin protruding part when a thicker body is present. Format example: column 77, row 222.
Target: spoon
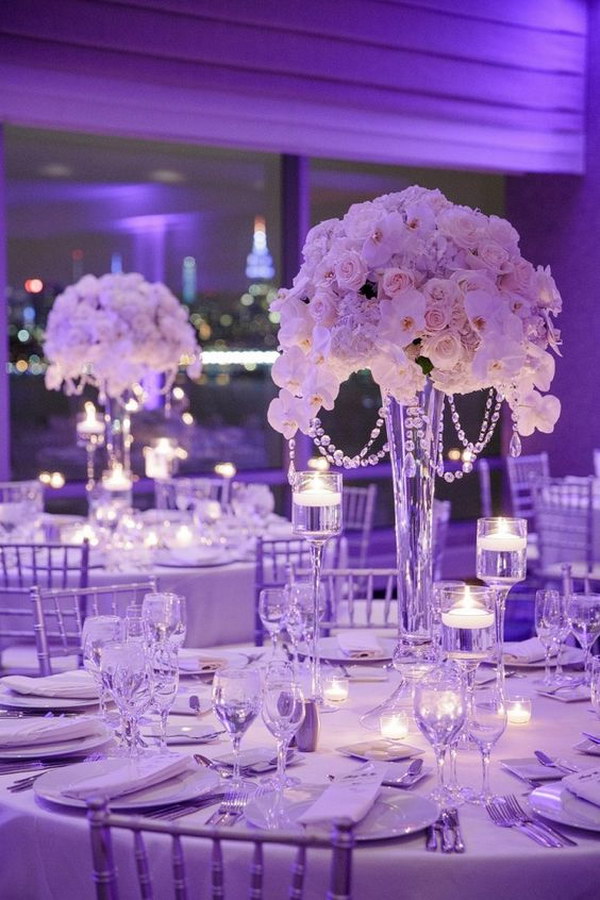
column 411, row 774
column 552, row 763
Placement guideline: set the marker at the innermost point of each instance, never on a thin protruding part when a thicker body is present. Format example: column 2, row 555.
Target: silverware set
column 445, row 833
column 507, row 812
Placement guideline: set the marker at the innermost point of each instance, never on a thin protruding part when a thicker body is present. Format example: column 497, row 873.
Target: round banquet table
column 46, row 850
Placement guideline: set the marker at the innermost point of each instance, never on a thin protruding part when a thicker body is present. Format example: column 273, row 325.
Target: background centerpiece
column 112, row 332
column 434, row 299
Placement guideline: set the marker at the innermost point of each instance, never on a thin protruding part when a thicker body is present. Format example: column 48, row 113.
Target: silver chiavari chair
column 220, row 854
column 356, row 598
column 358, row 514
column 566, row 525
column 59, row 613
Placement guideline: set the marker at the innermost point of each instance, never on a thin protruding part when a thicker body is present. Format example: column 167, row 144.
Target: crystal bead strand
column 337, row 457
column 486, row 431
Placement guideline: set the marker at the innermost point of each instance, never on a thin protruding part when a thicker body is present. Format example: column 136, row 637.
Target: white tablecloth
column 45, row 853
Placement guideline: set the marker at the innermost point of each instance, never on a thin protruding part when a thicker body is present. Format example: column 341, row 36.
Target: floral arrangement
column 415, row 287
column 113, row 330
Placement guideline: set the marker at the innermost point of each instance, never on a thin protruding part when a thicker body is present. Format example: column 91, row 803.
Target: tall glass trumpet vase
column 316, row 517
column 501, row 563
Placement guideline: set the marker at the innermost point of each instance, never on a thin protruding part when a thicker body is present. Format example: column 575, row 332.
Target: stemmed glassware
column 440, row 709
column 552, row 626
column 283, row 713
column 272, row 607
column 296, row 615
column 165, row 682
column 501, row 563
column 237, row 702
column 126, row 672
column 165, row 614
column 583, row 612
column 97, row 632
column 316, row 517
column 485, row 725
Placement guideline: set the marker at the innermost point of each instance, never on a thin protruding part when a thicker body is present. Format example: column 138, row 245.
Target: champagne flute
column 440, row 710
column 583, row 611
column 272, row 606
column 549, row 607
column 165, row 614
column 97, row 631
column 237, row 702
column 316, row 517
column 485, row 726
column 501, row 563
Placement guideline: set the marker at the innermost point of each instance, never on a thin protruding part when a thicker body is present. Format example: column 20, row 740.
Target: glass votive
column 393, row 726
column 518, row 710
column 336, row 688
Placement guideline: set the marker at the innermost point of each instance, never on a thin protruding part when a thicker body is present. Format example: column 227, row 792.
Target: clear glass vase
column 117, row 434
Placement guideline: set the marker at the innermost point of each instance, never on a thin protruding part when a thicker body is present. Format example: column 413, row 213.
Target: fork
column 500, row 815
column 515, row 807
column 230, row 810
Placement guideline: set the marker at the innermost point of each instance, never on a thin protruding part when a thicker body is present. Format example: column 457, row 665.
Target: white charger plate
column 330, row 651
column 195, row 560
column 58, row 748
column 187, row 786
column 557, row 803
column 393, row 814
column 12, row 700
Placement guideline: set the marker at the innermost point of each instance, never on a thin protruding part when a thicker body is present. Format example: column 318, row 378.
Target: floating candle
column 91, row 424
column 116, row 479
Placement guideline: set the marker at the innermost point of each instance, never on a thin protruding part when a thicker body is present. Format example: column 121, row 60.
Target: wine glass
column 236, row 701
column 272, row 607
column 467, row 629
column 316, row 517
column 550, row 615
column 125, row 668
column 501, row 563
column 485, row 725
column 97, row 631
column 583, row 612
column 440, row 709
column 299, row 596
column 165, row 614
column 165, row 682
column 282, row 713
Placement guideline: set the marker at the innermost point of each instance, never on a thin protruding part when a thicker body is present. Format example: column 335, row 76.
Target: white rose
column 394, row 281
column 463, row 226
column 436, row 317
column 351, row 271
column 444, row 349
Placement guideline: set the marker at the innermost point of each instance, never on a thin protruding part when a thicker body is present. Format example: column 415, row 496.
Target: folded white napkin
column 359, row 645
column 27, row 732
column 130, row 775
column 585, row 785
column 75, row 685
column 529, row 651
column 350, row 797
column 200, row 663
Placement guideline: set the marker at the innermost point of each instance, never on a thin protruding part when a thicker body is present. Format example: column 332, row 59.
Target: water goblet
column 550, row 615
column 282, row 713
column 165, row 614
column 501, row 563
column 272, row 608
column 440, row 708
column 165, row 682
column 316, row 517
column 583, row 612
column 96, row 633
column 485, row 726
column 237, row 702
column 126, row 672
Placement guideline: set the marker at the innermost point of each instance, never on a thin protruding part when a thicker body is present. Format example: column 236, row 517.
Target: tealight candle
column 467, row 614
column 336, row 689
column 184, row 536
column 116, row 479
column 502, row 540
column 518, row 711
column 393, row 725
column 158, row 460
column 315, row 492
column 91, row 424
column 225, row 470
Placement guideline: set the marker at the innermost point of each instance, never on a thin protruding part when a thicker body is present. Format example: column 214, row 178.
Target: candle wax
column 467, row 617
column 501, row 542
column 316, row 497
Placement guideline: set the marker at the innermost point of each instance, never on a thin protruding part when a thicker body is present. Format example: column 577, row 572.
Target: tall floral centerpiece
column 435, row 300
column 111, row 332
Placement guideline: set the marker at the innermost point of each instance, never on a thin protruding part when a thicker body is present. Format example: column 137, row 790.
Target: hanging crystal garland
column 415, row 424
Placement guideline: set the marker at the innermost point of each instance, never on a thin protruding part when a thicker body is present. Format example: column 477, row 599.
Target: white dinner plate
column 191, row 660
column 29, row 701
column 59, row 748
column 195, row 560
column 557, row 803
column 181, row 705
column 392, row 815
column 569, row 656
column 194, row 733
column 187, row 786
column 330, row 651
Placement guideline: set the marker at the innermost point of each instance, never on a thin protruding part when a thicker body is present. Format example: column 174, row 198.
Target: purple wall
column 559, row 220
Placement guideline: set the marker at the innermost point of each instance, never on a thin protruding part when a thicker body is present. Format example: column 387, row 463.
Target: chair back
column 59, row 614
column 274, row 560
column 565, row 517
column 356, row 598
column 441, row 521
column 523, row 473
column 230, row 863
column 358, row 514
